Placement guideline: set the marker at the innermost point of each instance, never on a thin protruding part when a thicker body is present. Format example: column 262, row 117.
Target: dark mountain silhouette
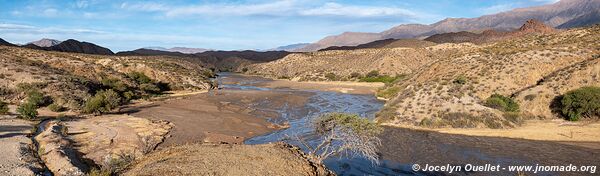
column 221, row 60
column 531, row 26
column 75, row 46
column 5, row 43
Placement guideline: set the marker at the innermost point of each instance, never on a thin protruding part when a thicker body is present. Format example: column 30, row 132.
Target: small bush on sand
column 502, row 103
column 345, row 134
column 581, row 103
column 3, row 107
column 28, row 111
column 104, row 101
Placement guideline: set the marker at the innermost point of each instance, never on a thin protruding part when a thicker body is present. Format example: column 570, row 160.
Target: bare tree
column 345, row 134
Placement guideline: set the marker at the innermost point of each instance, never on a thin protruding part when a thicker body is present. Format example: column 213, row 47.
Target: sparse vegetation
column 104, row 101
column 581, row 103
column 502, row 103
column 388, row 92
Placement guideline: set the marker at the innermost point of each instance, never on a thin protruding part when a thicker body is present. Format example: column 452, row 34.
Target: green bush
column 115, row 84
column 3, row 107
column 104, row 101
column 36, row 97
column 56, row 108
column 149, row 88
column 384, row 79
column 28, row 111
column 502, row 103
column 583, row 102
column 139, row 77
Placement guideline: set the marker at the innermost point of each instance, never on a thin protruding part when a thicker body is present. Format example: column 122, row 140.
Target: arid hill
column 531, row 26
column 447, row 84
column 220, row 60
column 563, row 14
column 387, row 43
column 70, row 78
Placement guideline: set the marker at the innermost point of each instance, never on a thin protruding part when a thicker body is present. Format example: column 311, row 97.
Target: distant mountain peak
column 45, row 42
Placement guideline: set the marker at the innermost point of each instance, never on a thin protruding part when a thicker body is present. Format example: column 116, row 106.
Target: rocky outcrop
column 56, row 151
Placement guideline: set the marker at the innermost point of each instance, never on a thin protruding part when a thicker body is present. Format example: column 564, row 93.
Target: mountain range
column 183, row 50
column 562, row 14
column 531, row 26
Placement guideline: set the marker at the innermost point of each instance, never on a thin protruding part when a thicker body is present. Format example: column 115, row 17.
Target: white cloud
column 276, row 8
column 497, row 8
column 335, row 9
column 8, row 26
column 26, row 29
column 147, row 6
column 51, row 12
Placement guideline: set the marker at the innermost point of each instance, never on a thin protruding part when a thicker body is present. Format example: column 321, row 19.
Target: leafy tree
column 28, row 110
column 582, row 102
column 502, row 103
column 345, row 134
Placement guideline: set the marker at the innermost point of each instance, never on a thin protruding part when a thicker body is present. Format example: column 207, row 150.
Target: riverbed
column 256, row 110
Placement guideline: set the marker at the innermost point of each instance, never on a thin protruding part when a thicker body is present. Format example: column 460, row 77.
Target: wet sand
column 224, row 116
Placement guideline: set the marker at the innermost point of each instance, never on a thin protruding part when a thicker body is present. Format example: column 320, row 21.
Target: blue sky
column 224, row 25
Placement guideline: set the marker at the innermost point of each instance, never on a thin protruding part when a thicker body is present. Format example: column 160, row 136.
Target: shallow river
column 300, row 120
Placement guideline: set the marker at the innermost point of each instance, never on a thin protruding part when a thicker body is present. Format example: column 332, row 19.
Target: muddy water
column 300, row 119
